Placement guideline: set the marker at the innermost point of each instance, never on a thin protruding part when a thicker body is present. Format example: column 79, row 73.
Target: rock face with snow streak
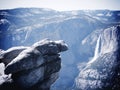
column 103, row 73
column 8, row 55
column 37, row 66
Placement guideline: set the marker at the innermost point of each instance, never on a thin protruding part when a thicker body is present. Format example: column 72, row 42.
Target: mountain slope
column 25, row 26
column 103, row 72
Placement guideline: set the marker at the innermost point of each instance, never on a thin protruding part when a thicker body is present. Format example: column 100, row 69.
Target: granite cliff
column 32, row 68
column 102, row 72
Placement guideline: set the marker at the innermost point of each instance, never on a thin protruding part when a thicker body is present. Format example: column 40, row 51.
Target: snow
column 100, row 14
column 3, row 21
column 4, row 13
column 74, row 12
column 109, row 41
column 2, row 67
column 109, row 14
column 14, row 48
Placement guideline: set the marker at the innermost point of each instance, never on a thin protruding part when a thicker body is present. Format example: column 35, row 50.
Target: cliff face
column 25, row 26
column 32, row 68
column 102, row 72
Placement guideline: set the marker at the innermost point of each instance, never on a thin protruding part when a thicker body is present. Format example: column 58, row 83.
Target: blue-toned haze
column 91, row 35
column 62, row 5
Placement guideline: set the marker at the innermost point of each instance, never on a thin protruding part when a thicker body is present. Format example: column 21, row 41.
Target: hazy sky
column 62, row 4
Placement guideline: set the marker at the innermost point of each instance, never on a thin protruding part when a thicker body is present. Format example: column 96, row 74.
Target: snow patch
column 100, row 14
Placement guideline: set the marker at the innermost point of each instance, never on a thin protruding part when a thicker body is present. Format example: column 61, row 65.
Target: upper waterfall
column 102, row 72
column 97, row 50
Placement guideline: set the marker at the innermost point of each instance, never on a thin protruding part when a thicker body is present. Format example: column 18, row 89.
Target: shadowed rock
column 33, row 56
column 37, row 66
column 8, row 55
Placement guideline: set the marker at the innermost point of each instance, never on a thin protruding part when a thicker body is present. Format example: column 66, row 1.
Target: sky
column 62, row 5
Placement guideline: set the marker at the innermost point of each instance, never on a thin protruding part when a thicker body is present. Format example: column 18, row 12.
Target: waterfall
column 97, row 50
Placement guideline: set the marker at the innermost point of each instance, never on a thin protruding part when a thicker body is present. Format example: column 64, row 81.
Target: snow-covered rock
column 34, row 67
column 103, row 72
column 8, row 55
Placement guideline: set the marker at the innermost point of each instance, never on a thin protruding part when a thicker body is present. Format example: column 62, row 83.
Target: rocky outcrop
column 103, row 71
column 8, row 55
column 33, row 68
